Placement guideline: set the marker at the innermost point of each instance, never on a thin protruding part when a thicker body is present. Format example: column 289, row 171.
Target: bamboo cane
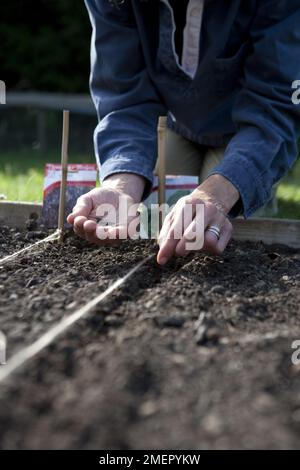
column 161, row 164
column 64, row 173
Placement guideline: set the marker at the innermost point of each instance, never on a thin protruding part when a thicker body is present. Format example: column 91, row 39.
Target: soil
column 193, row 355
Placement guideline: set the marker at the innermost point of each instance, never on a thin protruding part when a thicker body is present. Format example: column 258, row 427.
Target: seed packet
column 81, row 179
column 176, row 187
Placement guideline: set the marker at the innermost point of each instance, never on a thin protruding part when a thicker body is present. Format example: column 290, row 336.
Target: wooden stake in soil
column 161, row 163
column 64, row 174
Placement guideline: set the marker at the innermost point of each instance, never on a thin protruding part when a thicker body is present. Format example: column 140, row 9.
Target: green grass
column 22, row 176
column 288, row 194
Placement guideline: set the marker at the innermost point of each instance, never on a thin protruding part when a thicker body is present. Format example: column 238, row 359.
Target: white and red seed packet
column 176, row 186
column 81, row 178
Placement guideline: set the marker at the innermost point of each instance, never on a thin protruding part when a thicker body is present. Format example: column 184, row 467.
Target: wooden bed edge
column 15, row 214
column 267, row 230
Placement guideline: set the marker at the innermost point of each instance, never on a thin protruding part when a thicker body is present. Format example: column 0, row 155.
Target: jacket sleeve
column 267, row 120
column 126, row 101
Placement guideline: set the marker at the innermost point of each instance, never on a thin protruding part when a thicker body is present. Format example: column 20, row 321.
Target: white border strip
column 20, row 358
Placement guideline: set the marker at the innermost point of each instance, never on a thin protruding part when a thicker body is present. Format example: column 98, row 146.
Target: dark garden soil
column 193, row 355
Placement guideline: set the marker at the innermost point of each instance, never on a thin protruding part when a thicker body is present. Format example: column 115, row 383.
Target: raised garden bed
column 193, row 355
column 283, row 231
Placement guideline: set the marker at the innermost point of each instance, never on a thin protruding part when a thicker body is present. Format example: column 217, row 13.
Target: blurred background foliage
column 45, row 45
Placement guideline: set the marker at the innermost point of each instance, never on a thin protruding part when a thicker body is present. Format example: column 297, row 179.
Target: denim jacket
column 240, row 95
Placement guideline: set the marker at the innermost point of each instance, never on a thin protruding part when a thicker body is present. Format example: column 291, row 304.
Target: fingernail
column 163, row 261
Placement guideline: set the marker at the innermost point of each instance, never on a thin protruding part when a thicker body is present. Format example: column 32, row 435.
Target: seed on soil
column 148, row 408
column 13, row 296
column 212, row 424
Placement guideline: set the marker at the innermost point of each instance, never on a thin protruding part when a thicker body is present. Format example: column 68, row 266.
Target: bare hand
column 123, row 190
column 216, row 208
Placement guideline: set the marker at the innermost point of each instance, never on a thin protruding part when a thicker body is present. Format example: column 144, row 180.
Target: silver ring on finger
column 215, row 230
